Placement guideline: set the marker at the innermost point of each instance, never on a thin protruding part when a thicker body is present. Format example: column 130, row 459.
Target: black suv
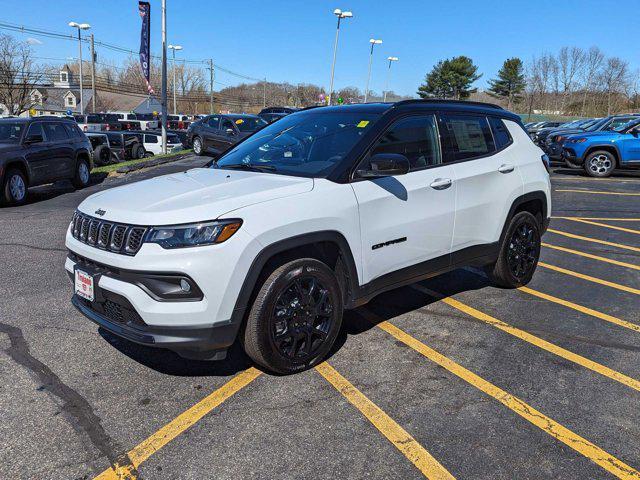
column 35, row 151
column 218, row 133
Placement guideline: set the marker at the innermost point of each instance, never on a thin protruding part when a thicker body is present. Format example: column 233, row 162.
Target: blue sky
column 292, row 41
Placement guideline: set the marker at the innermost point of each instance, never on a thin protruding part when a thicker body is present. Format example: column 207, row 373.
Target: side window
column 36, row 129
column 501, row 134
column 214, row 122
column 150, row 139
column 226, row 123
column 72, row 130
column 466, row 137
column 55, row 132
column 416, row 138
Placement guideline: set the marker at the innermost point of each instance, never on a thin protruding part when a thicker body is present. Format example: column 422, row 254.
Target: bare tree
column 18, row 75
column 571, row 61
column 594, row 60
column 615, row 79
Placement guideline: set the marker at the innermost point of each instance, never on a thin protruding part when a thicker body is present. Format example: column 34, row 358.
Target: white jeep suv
column 316, row 213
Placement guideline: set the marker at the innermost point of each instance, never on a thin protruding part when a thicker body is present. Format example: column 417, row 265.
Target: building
column 61, row 97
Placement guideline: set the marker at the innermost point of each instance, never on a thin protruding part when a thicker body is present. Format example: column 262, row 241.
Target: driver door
column 407, row 220
column 631, row 146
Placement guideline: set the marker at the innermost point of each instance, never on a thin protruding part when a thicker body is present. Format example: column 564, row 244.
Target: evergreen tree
column 510, row 82
column 450, row 78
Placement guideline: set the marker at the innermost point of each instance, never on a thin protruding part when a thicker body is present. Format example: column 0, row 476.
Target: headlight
column 193, row 235
column 578, row 140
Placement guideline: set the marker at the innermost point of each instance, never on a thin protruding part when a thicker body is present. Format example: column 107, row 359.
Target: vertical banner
column 144, row 8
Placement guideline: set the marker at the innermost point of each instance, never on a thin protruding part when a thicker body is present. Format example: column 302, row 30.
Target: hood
column 565, row 132
column 192, row 196
column 600, row 133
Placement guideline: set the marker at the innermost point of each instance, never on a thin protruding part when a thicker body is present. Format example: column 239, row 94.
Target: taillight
column 85, row 128
column 107, row 127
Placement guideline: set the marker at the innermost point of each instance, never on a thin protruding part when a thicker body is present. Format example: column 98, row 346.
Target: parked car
column 101, row 154
column 554, row 142
column 599, row 153
column 218, row 133
column 40, row 150
column 272, row 117
column 541, row 135
column 540, row 125
column 98, row 122
column 319, row 212
column 136, row 121
column 128, row 145
column 152, row 142
column 285, row 110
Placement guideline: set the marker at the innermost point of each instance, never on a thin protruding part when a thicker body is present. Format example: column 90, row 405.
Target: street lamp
column 386, row 87
column 373, row 42
column 340, row 14
column 80, row 26
column 173, row 54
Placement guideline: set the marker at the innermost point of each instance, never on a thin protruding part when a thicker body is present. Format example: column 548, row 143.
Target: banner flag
column 144, row 8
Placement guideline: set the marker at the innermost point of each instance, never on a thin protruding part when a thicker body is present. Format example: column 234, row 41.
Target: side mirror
column 385, row 165
column 230, row 131
column 33, row 139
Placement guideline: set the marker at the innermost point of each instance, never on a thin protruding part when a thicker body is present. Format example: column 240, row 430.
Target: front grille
column 117, row 309
column 114, row 237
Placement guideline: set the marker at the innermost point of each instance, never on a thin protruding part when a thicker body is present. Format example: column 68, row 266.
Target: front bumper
column 570, row 158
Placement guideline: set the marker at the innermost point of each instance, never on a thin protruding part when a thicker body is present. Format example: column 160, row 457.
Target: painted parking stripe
column 581, row 445
column 178, row 425
column 589, row 278
column 593, row 240
column 533, row 340
column 591, row 256
column 582, row 309
column 596, row 180
column 605, row 225
column 596, row 192
column 398, row 436
column 604, row 219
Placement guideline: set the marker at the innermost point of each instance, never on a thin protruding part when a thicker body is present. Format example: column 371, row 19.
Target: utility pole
column 93, row 76
column 212, row 77
column 264, row 93
column 163, row 116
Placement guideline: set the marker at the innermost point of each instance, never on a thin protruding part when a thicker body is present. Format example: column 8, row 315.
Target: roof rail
column 441, row 100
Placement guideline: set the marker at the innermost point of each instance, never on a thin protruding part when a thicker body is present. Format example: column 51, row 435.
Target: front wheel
column 295, row 317
column 140, row 152
column 82, row 175
column 197, row 146
column 14, row 190
column 600, row 163
column 519, row 252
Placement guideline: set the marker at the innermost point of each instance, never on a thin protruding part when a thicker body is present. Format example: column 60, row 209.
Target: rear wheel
column 139, row 152
column 295, row 317
column 197, row 146
column 102, row 155
column 15, row 186
column 82, row 175
column 600, row 163
column 519, row 252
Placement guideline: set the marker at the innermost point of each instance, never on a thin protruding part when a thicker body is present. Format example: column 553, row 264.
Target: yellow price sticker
column 239, row 121
column 363, row 123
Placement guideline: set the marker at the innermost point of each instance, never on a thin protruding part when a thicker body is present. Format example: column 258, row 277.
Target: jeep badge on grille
column 100, row 212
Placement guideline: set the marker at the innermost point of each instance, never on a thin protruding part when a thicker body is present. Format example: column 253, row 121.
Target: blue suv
column 599, row 153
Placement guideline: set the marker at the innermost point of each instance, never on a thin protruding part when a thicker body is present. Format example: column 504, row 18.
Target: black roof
column 31, row 119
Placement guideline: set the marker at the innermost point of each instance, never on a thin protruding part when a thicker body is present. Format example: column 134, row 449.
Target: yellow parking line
column 589, row 278
column 602, row 219
column 597, row 180
column 593, row 240
column 596, row 192
column 605, row 225
column 397, row 435
column 533, row 340
column 582, row 309
column 175, row 427
column 591, row 256
column 581, row 445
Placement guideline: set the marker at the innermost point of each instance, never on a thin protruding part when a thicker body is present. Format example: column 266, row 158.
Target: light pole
column 163, row 102
column 340, row 14
column 173, row 55
column 80, row 26
column 373, row 42
column 386, row 87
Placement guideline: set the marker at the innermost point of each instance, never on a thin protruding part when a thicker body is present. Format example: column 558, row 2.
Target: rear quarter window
column 501, row 133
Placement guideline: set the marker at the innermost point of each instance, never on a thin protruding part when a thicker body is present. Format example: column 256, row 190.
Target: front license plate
column 84, row 285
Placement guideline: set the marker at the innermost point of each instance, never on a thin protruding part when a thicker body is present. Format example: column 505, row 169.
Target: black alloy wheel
column 523, row 250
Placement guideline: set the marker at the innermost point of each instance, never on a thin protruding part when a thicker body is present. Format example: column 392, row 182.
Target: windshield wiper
column 252, row 167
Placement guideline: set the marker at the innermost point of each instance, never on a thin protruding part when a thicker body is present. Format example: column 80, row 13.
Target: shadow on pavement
column 47, row 192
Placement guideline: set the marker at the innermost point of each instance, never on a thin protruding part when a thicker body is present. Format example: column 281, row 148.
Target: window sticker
column 239, row 121
column 362, row 123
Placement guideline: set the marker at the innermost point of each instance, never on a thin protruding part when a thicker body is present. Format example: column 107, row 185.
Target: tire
column 82, row 176
column 139, row 152
column 14, row 189
column 288, row 311
column 600, row 163
column 102, row 155
column 198, row 147
column 519, row 252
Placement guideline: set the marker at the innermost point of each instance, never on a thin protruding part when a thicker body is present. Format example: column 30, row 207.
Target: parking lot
column 448, row 378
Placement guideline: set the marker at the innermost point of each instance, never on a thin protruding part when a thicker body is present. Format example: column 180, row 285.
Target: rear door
column 210, row 131
column 407, row 220
column 152, row 144
column 487, row 177
column 38, row 156
column 62, row 150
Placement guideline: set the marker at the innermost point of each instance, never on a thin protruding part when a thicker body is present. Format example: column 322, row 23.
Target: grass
column 114, row 166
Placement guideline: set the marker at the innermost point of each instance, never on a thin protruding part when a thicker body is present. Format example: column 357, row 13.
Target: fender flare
column 268, row 252
column 527, row 197
column 13, row 161
column 603, row 146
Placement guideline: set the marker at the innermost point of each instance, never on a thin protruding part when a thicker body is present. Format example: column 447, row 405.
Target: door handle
column 441, row 183
column 506, row 168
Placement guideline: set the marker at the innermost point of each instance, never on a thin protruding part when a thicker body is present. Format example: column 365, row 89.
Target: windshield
column 627, row 125
column 308, row 144
column 10, row 132
column 248, row 124
column 596, row 126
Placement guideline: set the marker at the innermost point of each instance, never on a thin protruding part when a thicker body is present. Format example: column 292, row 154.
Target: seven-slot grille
column 114, row 237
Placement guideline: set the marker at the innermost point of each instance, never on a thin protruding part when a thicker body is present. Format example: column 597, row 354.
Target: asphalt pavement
column 449, row 378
